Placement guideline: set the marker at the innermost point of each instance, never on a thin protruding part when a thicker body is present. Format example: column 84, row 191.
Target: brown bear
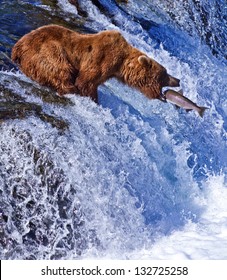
column 71, row 62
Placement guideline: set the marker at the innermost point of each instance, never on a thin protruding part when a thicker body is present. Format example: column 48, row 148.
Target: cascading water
column 131, row 178
column 203, row 19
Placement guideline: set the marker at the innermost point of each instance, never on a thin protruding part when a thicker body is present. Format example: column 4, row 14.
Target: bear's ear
column 144, row 60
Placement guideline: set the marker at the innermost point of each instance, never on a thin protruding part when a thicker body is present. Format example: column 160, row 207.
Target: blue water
column 129, row 172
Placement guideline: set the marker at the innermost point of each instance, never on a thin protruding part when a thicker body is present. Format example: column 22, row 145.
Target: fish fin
column 177, row 107
column 188, row 110
column 202, row 110
column 180, row 91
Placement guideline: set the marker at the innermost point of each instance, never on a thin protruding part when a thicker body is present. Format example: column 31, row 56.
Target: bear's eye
column 164, row 78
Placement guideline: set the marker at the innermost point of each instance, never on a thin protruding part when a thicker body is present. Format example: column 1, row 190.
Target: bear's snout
column 173, row 82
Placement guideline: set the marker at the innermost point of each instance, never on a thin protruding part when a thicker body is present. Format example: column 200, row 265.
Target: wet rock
column 45, row 94
column 12, row 106
column 54, row 121
column 80, row 11
column 14, row 110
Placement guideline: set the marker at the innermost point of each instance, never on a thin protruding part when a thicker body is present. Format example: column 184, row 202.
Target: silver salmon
column 180, row 100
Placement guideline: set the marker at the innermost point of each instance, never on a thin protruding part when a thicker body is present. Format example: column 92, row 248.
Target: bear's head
column 152, row 77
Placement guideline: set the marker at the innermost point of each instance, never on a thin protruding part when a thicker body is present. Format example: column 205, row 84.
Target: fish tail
column 202, row 110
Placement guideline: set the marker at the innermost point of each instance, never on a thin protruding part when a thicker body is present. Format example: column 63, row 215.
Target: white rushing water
column 130, row 178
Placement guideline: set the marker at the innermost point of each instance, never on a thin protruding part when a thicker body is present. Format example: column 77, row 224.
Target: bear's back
column 47, row 34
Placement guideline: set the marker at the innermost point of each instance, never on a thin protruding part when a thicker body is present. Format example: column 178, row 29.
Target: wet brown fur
column 71, row 62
